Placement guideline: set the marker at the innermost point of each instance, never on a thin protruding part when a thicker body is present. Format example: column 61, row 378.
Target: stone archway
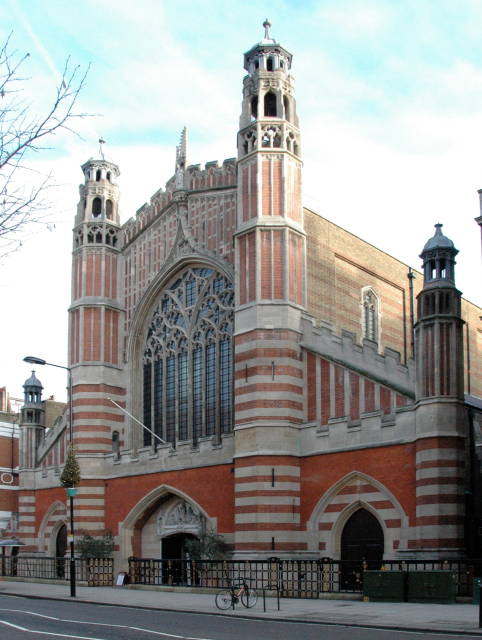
column 54, row 519
column 164, row 512
column 354, row 491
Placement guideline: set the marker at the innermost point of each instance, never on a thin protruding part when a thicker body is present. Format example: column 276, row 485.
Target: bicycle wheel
column 223, row 599
column 249, row 598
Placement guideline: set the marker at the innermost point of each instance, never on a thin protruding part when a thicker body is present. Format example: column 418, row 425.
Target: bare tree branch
column 23, row 132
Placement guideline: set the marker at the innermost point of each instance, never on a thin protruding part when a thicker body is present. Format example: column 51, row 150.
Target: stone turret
column 32, row 422
column 441, row 421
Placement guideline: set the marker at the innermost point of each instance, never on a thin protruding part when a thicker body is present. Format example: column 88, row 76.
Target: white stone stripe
column 275, row 500
column 27, row 499
column 431, row 489
column 25, row 509
column 259, row 343
column 87, row 490
column 274, row 395
column 97, row 394
column 260, row 412
column 435, row 531
column 439, row 509
column 426, row 455
column 94, row 502
column 439, row 472
column 266, row 486
column 23, row 530
column 91, row 446
column 287, row 518
column 261, row 470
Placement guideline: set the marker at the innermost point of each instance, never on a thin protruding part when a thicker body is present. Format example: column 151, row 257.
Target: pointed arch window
column 370, row 314
column 270, row 105
column 96, row 207
column 187, row 360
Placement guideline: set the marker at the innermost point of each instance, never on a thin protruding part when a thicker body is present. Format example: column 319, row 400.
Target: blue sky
column 389, row 96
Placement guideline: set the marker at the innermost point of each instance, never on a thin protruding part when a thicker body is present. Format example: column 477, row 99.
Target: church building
column 243, row 366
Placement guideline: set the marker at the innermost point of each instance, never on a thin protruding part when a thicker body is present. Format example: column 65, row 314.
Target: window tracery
column 187, row 360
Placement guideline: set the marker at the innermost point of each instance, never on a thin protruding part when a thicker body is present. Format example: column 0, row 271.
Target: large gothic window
column 188, row 359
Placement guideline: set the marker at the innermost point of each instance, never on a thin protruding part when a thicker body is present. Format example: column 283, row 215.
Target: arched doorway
column 60, row 549
column 362, row 546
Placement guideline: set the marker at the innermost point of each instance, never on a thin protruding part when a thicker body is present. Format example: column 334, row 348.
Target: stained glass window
column 188, row 358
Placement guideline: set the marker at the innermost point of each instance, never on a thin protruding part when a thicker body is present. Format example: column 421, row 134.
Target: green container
column 476, row 591
column 432, row 586
column 384, row 586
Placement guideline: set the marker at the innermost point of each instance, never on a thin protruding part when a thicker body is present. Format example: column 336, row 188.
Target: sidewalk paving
column 453, row 618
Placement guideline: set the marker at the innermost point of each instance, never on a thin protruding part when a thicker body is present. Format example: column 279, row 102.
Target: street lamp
column 70, row 491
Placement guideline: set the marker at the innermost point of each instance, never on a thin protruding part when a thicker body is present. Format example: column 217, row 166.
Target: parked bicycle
column 230, row 597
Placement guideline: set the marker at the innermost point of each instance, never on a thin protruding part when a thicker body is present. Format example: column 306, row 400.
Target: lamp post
column 71, row 491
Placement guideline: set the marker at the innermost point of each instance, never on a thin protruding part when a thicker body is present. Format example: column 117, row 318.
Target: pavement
column 457, row 618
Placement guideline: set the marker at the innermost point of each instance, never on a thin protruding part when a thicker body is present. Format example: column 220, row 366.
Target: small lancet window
column 108, row 177
column 116, row 445
column 270, row 105
column 97, row 175
column 96, row 207
column 109, row 207
column 270, row 65
column 370, row 314
column 256, row 64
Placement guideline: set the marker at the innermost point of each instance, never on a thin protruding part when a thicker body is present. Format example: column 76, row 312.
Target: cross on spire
column 101, row 150
column 267, row 27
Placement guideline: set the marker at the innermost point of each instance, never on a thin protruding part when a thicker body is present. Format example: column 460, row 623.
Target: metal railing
column 295, row 578
column 92, row 571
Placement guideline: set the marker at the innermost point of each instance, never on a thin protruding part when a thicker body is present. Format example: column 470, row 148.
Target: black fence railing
column 92, row 571
column 295, row 578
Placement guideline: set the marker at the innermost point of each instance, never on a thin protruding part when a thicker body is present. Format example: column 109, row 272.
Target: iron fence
column 294, row 578
column 92, row 571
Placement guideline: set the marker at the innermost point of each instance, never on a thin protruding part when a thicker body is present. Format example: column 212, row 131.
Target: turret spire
column 267, row 27
column 181, row 151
